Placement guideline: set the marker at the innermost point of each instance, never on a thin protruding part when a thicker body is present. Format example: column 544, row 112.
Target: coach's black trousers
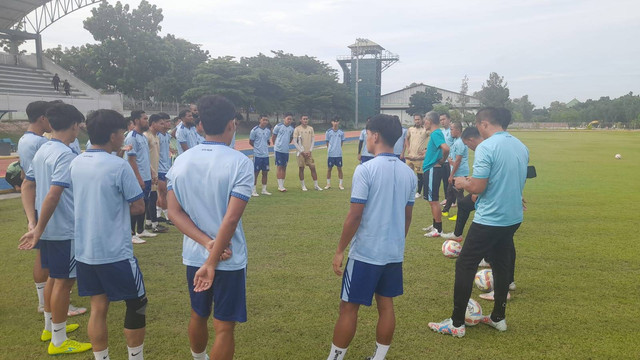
column 483, row 241
column 152, row 213
column 446, row 171
column 465, row 207
column 452, row 195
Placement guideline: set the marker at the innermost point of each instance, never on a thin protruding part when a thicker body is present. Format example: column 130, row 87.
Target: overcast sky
column 548, row 49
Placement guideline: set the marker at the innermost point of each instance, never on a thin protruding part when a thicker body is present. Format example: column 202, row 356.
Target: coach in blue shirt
column 499, row 174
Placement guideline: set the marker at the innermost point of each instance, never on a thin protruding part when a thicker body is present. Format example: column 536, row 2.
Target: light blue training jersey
column 283, row 137
column 186, row 135
column 447, row 136
column 363, row 138
column 203, row 179
column 103, row 185
column 50, row 166
column 503, row 159
column 434, row 152
column 386, row 186
column 75, row 146
column 399, row 145
column 459, row 148
column 165, row 156
column 260, row 138
column 140, row 149
column 28, row 145
column 335, row 139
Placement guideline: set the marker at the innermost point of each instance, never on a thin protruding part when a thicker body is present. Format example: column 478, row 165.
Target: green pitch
column 577, row 270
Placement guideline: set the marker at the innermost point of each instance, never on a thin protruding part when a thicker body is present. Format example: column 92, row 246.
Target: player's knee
column 135, row 317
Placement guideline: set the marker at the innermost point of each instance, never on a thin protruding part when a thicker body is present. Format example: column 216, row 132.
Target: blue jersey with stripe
column 140, row 149
column 335, row 139
column 386, row 186
column 283, row 137
column 460, row 149
column 28, row 145
column 260, row 138
column 165, row 156
column 202, row 180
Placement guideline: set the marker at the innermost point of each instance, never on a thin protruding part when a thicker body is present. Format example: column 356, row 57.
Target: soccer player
column 416, row 146
column 432, row 167
column 303, row 139
column 199, row 131
column 206, row 205
column 156, row 125
column 400, row 146
column 138, row 158
column 382, row 198
column 48, row 201
column 459, row 163
column 334, row 138
column 499, row 174
column 186, row 133
column 281, row 138
column 28, row 145
column 259, row 139
column 445, row 122
column 363, row 154
column 106, row 193
column 164, row 163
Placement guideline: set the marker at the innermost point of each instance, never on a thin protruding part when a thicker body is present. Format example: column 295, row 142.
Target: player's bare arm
column 30, row 239
column 351, row 224
column 28, row 190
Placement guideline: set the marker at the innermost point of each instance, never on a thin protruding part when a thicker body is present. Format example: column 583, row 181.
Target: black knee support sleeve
column 135, row 317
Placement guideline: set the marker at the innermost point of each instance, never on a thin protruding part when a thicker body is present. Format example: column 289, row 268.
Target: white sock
column 315, row 183
column 264, row 187
column 200, row 356
column 302, row 183
column 47, row 321
column 381, row 351
column 328, row 181
column 336, row 353
column 40, row 291
column 102, row 355
column 147, row 222
column 280, row 183
column 135, row 353
column 58, row 333
column 158, row 211
column 254, row 188
column 165, row 213
column 154, row 224
column 340, row 182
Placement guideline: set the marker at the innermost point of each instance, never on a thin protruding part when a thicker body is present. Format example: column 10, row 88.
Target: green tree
column 422, row 102
column 523, row 107
column 494, row 92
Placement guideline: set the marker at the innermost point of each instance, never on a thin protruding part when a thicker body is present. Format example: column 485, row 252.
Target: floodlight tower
column 363, row 72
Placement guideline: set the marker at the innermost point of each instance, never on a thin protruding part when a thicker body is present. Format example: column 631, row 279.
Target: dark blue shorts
column 261, row 164
column 147, row 190
column 334, row 161
column 120, row 280
column 282, row 159
column 361, row 280
column 162, row 176
column 364, row 159
column 227, row 294
column 59, row 257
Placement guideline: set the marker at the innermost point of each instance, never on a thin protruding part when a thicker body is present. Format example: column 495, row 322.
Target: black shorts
column 432, row 179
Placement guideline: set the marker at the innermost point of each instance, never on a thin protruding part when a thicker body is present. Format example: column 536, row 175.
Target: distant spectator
column 67, row 87
column 56, row 82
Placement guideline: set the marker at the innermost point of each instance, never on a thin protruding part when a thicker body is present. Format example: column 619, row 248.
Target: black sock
column 495, row 318
column 434, row 223
column 419, row 183
column 438, row 226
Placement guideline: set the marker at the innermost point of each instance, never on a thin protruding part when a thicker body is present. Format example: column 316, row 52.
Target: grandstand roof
column 12, row 11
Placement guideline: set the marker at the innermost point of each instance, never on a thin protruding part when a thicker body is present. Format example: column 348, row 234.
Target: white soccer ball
column 484, row 280
column 451, row 249
column 618, row 156
column 474, row 313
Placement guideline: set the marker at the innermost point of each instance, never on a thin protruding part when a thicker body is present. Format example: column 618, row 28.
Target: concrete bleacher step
column 29, row 81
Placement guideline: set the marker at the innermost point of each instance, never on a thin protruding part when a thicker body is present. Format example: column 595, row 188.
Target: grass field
column 577, row 271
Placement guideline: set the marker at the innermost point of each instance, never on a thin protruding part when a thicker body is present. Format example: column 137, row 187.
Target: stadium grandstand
column 25, row 78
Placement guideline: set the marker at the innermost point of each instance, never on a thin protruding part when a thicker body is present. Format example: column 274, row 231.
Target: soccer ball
column 484, row 280
column 451, row 249
column 474, row 313
column 618, row 156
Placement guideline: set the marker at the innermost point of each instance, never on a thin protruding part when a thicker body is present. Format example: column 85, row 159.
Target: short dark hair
column 433, row 117
column 288, row 114
column 238, row 116
column 504, row 117
column 470, row 132
column 445, row 114
column 303, row 115
column 387, row 126
column 215, row 112
column 136, row 114
column 457, row 125
column 37, row 109
column 183, row 113
column 336, row 118
column 164, row 116
column 263, row 116
column 102, row 123
column 419, row 115
column 491, row 114
column 62, row 116
column 154, row 118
